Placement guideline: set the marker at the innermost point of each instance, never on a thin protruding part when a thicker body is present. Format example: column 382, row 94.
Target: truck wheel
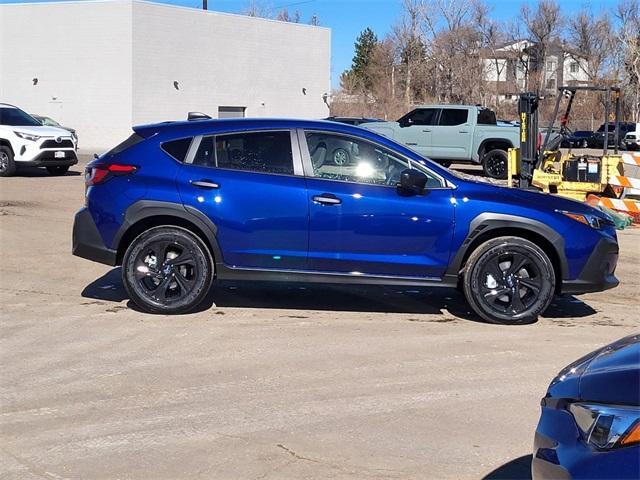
column 58, row 170
column 341, row 157
column 494, row 164
column 7, row 165
column 509, row 280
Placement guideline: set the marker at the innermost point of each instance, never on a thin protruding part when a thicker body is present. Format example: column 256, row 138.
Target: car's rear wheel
column 58, row 170
column 509, row 280
column 7, row 165
column 494, row 164
column 167, row 270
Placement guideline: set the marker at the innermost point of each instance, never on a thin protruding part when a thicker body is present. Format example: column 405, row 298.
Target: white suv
column 25, row 142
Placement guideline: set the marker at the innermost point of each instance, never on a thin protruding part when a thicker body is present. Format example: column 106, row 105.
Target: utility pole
column 204, row 5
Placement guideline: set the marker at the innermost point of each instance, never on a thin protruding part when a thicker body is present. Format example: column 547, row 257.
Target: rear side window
column 486, row 117
column 134, row 139
column 265, row 152
column 177, row 148
column 453, row 116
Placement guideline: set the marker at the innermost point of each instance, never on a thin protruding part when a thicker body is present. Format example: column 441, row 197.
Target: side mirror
column 406, row 122
column 412, row 182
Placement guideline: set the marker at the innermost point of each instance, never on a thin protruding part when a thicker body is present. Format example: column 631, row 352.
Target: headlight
column 587, row 219
column 607, row 426
column 27, row 136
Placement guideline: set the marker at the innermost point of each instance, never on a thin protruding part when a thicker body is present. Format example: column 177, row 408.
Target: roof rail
column 191, row 116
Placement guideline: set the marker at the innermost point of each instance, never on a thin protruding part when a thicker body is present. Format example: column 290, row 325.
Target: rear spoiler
column 151, row 129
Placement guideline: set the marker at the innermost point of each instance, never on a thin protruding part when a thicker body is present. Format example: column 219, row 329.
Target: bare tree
column 628, row 37
column 590, row 38
column 542, row 25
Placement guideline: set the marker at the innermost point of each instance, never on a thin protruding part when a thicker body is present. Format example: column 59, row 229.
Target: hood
column 613, row 374
column 610, row 374
column 42, row 131
column 541, row 200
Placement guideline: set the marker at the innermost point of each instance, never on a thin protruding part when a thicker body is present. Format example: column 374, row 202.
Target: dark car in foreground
column 590, row 422
column 180, row 204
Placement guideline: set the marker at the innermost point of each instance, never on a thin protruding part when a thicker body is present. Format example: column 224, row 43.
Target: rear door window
column 264, row 152
column 453, row 116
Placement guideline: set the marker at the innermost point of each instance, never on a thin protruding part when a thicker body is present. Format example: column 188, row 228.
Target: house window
column 551, row 84
column 550, row 66
column 573, row 67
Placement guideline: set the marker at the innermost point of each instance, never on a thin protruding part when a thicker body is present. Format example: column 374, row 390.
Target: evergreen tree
column 364, row 46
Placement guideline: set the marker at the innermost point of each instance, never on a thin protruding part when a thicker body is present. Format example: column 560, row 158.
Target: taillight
column 100, row 173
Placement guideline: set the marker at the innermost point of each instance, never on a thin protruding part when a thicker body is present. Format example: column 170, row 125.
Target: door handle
column 327, row 199
column 205, row 184
column 426, row 131
column 463, row 131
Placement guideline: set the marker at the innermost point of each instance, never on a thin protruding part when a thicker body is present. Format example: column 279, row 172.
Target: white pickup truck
column 448, row 133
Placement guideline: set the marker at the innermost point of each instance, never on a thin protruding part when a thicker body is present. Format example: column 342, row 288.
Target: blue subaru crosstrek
column 590, row 422
column 180, row 204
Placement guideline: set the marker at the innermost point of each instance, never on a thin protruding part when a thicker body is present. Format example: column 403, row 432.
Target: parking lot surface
column 272, row 381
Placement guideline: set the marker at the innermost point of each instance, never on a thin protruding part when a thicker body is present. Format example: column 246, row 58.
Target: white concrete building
column 102, row 66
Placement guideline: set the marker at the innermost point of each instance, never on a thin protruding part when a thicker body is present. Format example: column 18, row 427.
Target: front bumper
column 47, row 158
column 598, row 273
column 87, row 242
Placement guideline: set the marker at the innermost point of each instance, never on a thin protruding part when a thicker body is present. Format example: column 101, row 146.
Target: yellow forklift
column 541, row 165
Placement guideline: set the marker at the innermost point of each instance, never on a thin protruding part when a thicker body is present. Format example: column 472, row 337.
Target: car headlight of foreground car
column 607, row 426
column 27, row 136
column 587, row 219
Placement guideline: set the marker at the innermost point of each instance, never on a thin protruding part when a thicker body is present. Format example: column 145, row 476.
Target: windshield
column 16, row 118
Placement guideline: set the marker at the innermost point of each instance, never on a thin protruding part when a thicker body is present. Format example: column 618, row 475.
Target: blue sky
column 347, row 18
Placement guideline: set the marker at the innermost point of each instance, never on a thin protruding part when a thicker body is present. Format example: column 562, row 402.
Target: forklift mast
column 528, row 112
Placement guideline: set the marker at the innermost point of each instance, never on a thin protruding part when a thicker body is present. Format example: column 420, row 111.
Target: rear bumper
column 87, row 242
column 598, row 273
column 47, row 158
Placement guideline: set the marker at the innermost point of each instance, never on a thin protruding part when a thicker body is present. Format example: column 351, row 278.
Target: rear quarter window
column 134, row 139
column 177, row 148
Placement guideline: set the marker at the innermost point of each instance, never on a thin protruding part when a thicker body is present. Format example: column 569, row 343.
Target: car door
column 452, row 136
column 416, row 129
column 251, row 186
column 359, row 224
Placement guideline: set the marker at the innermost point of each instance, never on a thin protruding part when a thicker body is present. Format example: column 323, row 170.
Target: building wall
column 103, row 66
column 226, row 60
column 81, row 55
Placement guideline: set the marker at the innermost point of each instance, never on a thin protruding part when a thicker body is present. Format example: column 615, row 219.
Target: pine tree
column 364, row 46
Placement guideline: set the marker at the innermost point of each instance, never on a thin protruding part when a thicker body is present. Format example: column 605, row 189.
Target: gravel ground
column 272, row 382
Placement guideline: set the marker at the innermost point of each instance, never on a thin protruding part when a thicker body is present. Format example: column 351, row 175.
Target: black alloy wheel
column 494, row 164
column 509, row 280
column 167, row 270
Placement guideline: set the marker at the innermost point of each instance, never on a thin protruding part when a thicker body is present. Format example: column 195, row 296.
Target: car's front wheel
column 57, row 170
column 7, row 165
column 509, row 280
column 167, row 270
column 494, row 164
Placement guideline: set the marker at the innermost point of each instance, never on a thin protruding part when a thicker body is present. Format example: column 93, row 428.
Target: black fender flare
column 487, row 222
column 481, row 149
column 144, row 209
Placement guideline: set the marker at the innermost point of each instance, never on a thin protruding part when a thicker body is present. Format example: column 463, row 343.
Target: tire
column 58, row 170
column 491, row 286
column 340, row 157
column 7, row 165
column 167, row 270
column 494, row 164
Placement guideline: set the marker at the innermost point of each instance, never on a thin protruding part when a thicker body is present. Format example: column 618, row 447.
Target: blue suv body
column 181, row 203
